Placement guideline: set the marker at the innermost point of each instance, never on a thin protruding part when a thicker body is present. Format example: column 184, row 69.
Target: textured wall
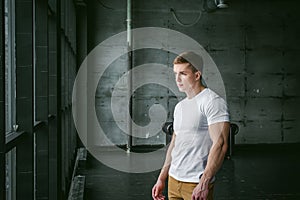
column 255, row 45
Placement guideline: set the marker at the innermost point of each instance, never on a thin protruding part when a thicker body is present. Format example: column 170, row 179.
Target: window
column 11, row 175
column 10, row 67
column 10, row 95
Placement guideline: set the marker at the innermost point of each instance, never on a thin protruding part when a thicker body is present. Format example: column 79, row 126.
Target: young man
column 200, row 139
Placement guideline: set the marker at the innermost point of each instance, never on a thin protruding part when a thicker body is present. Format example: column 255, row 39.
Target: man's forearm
column 164, row 173
column 165, row 170
column 218, row 150
column 215, row 160
column 219, row 134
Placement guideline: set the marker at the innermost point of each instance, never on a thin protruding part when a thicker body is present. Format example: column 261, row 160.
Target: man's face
column 186, row 79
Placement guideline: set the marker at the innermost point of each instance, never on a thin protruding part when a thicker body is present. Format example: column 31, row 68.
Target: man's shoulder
column 210, row 99
column 211, row 94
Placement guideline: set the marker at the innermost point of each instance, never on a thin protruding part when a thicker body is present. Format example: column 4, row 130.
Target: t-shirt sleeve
column 217, row 111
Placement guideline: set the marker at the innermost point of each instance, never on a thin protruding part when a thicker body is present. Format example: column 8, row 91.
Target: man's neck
column 194, row 91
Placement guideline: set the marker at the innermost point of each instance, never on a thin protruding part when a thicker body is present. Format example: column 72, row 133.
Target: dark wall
column 255, row 45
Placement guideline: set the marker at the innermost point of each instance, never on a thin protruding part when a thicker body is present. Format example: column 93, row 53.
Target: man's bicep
column 219, row 130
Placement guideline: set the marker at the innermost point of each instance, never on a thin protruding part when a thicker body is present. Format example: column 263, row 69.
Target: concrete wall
column 255, row 45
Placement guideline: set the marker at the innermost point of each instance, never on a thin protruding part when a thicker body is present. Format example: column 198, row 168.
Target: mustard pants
column 178, row 190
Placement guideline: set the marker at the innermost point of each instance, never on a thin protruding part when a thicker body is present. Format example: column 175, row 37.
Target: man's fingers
column 194, row 197
column 154, row 193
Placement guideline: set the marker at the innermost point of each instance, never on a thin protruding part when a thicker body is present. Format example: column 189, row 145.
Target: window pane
column 11, row 175
column 10, row 95
column 10, row 82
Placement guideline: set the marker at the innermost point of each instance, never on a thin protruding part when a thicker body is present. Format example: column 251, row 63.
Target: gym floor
column 253, row 172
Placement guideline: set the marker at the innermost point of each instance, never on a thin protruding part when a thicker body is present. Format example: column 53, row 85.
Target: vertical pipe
column 34, row 94
column 129, row 82
column 128, row 20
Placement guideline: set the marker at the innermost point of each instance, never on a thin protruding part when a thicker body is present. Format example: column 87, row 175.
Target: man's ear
column 198, row 75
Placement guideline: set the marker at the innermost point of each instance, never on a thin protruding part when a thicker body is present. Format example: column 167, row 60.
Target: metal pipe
column 128, row 20
column 129, row 82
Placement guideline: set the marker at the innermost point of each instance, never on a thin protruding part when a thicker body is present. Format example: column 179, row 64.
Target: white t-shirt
column 191, row 120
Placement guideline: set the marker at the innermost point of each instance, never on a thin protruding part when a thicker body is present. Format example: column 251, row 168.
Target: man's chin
column 181, row 89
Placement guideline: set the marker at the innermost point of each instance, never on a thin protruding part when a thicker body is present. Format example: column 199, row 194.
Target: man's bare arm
column 165, row 170
column 158, row 188
column 219, row 133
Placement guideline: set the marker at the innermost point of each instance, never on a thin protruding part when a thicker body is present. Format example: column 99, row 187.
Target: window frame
column 10, row 97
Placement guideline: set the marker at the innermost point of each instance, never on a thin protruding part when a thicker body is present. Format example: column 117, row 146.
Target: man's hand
column 157, row 190
column 201, row 190
column 200, row 194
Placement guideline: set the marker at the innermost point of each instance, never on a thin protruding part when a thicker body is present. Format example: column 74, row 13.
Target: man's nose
column 177, row 78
